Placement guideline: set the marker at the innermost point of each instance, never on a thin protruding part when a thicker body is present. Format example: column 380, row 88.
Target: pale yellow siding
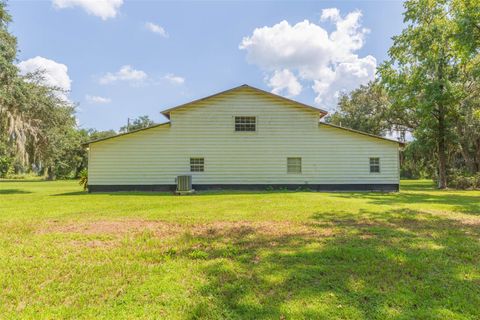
column 206, row 129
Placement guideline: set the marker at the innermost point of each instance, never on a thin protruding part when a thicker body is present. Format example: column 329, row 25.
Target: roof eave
column 402, row 144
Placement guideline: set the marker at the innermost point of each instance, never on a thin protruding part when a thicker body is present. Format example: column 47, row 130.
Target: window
column 374, row 165
column 294, row 165
column 245, row 123
column 197, row 164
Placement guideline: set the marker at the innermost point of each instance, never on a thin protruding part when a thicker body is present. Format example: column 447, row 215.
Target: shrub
column 463, row 181
column 84, row 179
column 476, row 179
column 5, row 166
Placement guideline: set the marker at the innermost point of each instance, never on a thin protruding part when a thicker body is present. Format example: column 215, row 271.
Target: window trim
column 374, row 165
column 245, row 131
column 200, row 166
column 294, row 165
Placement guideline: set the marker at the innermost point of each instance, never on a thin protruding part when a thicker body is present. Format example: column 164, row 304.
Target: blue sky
column 123, row 59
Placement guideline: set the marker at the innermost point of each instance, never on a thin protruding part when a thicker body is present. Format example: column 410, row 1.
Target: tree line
column 427, row 93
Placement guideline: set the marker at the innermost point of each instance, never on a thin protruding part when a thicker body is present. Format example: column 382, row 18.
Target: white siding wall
column 329, row 155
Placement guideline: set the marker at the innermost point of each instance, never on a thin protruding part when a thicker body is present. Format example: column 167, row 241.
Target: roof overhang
column 86, row 144
column 402, row 144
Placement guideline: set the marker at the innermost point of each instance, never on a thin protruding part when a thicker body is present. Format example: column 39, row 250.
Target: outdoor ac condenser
column 184, row 184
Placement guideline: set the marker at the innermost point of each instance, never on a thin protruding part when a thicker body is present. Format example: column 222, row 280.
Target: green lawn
column 242, row 255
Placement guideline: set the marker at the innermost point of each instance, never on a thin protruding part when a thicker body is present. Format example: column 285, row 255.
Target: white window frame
column 245, row 124
column 290, row 165
column 374, row 165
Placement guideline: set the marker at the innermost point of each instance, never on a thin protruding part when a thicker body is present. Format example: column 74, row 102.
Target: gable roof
column 166, row 113
column 323, row 113
column 362, row 133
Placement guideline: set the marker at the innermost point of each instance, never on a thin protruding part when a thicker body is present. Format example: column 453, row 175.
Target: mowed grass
column 238, row 255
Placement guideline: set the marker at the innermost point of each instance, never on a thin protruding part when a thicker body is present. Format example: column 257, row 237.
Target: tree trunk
column 469, row 160
column 477, row 157
column 442, row 150
column 50, row 174
column 442, row 130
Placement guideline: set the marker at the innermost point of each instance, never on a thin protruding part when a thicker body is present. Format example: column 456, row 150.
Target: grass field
column 269, row 255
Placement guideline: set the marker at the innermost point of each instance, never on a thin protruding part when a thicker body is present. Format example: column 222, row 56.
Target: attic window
column 197, row 164
column 374, row 165
column 245, row 123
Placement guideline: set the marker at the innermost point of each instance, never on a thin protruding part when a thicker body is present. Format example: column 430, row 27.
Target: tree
column 365, row 109
column 138, row 123
column 466, row 16
column 14, row 124
column 36, row 124
column 468, row 131
column 95, row 135
column 8, row 49
column 422, row 75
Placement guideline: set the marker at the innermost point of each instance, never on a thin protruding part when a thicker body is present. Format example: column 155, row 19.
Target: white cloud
column 330, row 13
column 97, row 99
column 155, row 28
column 173, row 79
column 284, row 80
column 104, row 9
column 306, row 52
column 54, row 74
column 126, row 73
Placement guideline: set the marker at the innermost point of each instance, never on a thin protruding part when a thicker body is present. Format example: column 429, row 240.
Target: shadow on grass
column 119, row 193
column 73, row 193
column 469, row 204
column 14, row 191
column 171, row 193
column 396, row 266
column 22, row 180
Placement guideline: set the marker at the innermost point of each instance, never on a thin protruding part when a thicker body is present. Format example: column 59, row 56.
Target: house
column 244, row 138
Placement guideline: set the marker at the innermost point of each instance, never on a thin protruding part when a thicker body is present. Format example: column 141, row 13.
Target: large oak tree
column 424, row 75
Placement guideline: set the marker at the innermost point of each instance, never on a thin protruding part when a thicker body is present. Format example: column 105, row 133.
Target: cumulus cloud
column 173, row 79
column 54, row 74
column 97, row 99
column 105, row 9
column 284, row 80
column 126, row 73
column 306, row 53
column 155, row 28
column 330, row 13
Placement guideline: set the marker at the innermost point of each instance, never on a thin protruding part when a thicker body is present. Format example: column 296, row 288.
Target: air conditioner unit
column 184, row 184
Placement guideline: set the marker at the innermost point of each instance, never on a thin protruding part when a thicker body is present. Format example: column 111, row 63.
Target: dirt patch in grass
column 168, row 229
column 93, row 244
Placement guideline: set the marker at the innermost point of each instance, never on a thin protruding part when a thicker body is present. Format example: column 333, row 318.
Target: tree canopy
column 427, row 74
column 137, row 123
column 364, row 109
